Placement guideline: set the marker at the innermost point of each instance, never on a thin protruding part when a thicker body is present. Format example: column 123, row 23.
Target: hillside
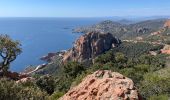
column 125, row 31
column 137, row 59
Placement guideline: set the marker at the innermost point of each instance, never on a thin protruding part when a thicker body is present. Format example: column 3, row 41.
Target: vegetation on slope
column 139, row 68
column 123, row 31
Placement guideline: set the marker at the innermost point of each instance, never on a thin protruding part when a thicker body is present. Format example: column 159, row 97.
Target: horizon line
column 81, row 16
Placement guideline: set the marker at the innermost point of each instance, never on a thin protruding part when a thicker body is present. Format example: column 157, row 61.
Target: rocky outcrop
column 48, row 57
column 104, row 85
column 166, row 49
column 155, row 33
column 167, row 23
column 13, row 75
column 142, row 30
column 51, row 56
column 90, row 45
column 26, row 79
column 18, row 77
column 162, row 29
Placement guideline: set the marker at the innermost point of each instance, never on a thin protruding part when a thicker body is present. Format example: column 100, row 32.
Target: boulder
column 90, row 45
column 103, row 85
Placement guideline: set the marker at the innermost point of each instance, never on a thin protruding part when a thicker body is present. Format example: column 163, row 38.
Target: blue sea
column 40, row 36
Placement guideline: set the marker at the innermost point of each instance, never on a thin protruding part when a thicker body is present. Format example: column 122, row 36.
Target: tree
column 46, row 83
column 72, row 69
column 9, row 50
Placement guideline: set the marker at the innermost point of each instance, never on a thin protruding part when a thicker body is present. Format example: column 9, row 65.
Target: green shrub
column 154, row 84
column 72, row 69
column 159, row 97
column 56, row 95
column 30, row 93
column 10, row 90
column 46, row 83
column 104, row 58
column 67, row 75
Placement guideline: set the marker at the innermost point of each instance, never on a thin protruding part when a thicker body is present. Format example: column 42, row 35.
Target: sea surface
column 40, row 36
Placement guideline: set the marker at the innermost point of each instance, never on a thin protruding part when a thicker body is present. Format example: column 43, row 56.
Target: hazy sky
column 83, row 8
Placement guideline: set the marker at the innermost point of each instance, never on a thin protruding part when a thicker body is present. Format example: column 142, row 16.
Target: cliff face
column 103, row 85
column 90, row 45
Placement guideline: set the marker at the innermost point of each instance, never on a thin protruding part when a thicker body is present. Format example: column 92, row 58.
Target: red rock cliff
column 103, row 85
column 90, row 45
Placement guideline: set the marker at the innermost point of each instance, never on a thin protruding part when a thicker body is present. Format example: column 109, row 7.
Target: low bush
column 10, row 90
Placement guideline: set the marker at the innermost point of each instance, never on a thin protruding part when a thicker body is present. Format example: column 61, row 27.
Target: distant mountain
column 125, row 28
column 126, row 21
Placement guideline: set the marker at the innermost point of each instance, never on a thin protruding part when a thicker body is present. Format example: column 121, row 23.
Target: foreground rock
column 89, row 46
column 103, row 85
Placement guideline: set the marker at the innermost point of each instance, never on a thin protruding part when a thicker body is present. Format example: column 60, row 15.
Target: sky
column 83, row 8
